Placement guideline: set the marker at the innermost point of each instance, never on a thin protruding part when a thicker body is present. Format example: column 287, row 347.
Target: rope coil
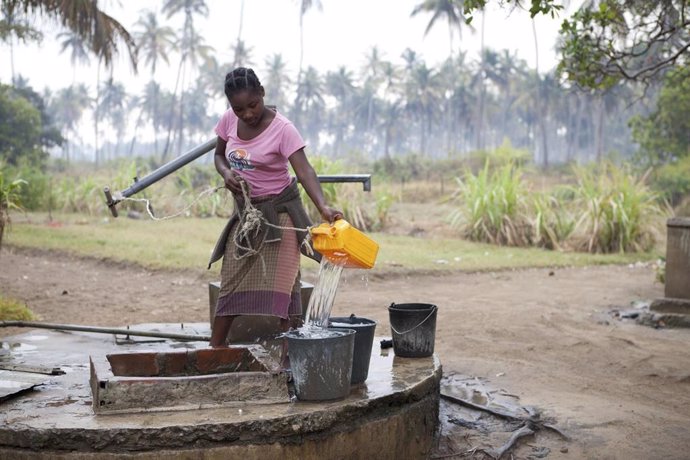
column 250, row 221
column 250, row 224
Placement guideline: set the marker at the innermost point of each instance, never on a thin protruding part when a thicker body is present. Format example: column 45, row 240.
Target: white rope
column 250, row 220
column 149, row 209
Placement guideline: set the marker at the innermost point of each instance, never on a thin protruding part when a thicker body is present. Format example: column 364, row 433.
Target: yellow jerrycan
column 344, row 245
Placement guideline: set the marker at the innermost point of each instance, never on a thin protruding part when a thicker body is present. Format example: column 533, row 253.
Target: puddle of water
column 15, row 351
column 36, row 337
column 7, row 384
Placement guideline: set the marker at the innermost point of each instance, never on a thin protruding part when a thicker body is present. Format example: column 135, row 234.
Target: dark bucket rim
column 360, row 321
column 425, row 307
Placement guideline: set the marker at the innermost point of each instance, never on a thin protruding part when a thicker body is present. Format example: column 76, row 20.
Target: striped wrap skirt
column 266, row 283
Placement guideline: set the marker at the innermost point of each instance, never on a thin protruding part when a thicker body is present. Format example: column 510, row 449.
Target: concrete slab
column 13, row 382
column 392, row 415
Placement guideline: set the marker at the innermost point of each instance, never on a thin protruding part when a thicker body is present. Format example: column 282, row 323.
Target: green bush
column 619, row 211
column 492, row 206
column 552, row 220
column 10, row 199
column 672, row 180
column 502, row 155
column 36, row 193
column 13, row 310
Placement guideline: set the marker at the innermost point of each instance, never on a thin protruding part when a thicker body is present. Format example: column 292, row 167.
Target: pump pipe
column 105, row 330
column 140, row 184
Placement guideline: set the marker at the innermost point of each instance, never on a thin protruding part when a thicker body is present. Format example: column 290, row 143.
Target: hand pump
column 140, row 184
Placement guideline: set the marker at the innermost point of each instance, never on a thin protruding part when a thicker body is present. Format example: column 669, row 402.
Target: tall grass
column 553, row 221
column 619, row 211
column 610, row 209
column 9, row 199
column 13, row 310
column 493, row 204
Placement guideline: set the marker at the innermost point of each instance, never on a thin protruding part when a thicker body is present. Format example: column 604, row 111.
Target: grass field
column 186, row 243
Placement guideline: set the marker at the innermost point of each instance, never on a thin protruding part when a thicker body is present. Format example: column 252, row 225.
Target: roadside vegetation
column 13, row 310
column 529, row 168
column 504, row 213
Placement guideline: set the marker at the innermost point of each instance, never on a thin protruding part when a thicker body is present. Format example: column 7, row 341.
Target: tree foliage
column 664, row 135
column 20, row 131
column 103, row 34
column 611, row 40
column 606, row 41
column 26, row 128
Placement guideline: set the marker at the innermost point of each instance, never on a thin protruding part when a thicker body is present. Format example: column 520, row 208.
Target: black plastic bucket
column 413, row 327
column 364, row 341
column 321, row 363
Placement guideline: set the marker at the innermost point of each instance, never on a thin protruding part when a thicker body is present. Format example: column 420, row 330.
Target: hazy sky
column 341, row 33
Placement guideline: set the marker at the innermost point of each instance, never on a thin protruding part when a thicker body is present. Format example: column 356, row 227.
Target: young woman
column 256, row 144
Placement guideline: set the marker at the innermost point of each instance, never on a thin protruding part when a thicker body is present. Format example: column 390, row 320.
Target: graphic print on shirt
column 240, row 159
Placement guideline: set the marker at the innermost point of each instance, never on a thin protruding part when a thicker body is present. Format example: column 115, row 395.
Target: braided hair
column 241, row 79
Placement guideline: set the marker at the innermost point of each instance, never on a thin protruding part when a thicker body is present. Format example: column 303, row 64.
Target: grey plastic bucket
column 364, row 341
column 321, row 363
column 413, row 327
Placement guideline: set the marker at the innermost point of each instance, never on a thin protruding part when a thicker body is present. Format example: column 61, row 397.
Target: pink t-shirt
column 262, row 161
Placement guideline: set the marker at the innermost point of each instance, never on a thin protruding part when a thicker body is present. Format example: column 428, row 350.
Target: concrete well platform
column 393, row 415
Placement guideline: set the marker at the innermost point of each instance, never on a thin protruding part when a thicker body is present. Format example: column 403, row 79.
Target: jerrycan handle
column 324, row 229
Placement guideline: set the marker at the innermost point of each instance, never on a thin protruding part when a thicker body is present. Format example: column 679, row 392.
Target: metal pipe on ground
column 104, row 330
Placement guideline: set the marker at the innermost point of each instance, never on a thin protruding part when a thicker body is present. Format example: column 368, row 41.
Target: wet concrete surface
column 58, row 415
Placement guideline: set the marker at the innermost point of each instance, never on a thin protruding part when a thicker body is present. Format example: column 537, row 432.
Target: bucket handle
column 433, row 310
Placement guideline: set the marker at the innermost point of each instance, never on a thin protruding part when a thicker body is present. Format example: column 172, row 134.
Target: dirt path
column 618, row 389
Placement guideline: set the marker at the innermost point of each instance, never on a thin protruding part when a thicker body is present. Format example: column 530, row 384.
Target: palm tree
column 391, row 104
column 196, row 118
column 277, row 81
column 68, row 105
column 309, row 105
column 538, row 100
column 482, row 89
column 79, row 52
column 112, row 106
column 423, row 98
column 242, row 55
column 451, row 10
column 372, row 73
column 154, row 42
column 151, row 108
column 211, row 77
column 190, row 45
column 304, row 7
column 11, row 26
column 340, row 86
column 86, row 20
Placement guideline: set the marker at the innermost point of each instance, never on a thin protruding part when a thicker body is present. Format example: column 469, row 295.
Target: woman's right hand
column 330, row 215
column 233, row 182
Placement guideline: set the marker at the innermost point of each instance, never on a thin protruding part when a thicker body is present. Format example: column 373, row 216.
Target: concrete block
column 187, row 379
column 677, row 284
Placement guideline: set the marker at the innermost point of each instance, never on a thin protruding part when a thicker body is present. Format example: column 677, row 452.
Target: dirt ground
column 617, row 389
